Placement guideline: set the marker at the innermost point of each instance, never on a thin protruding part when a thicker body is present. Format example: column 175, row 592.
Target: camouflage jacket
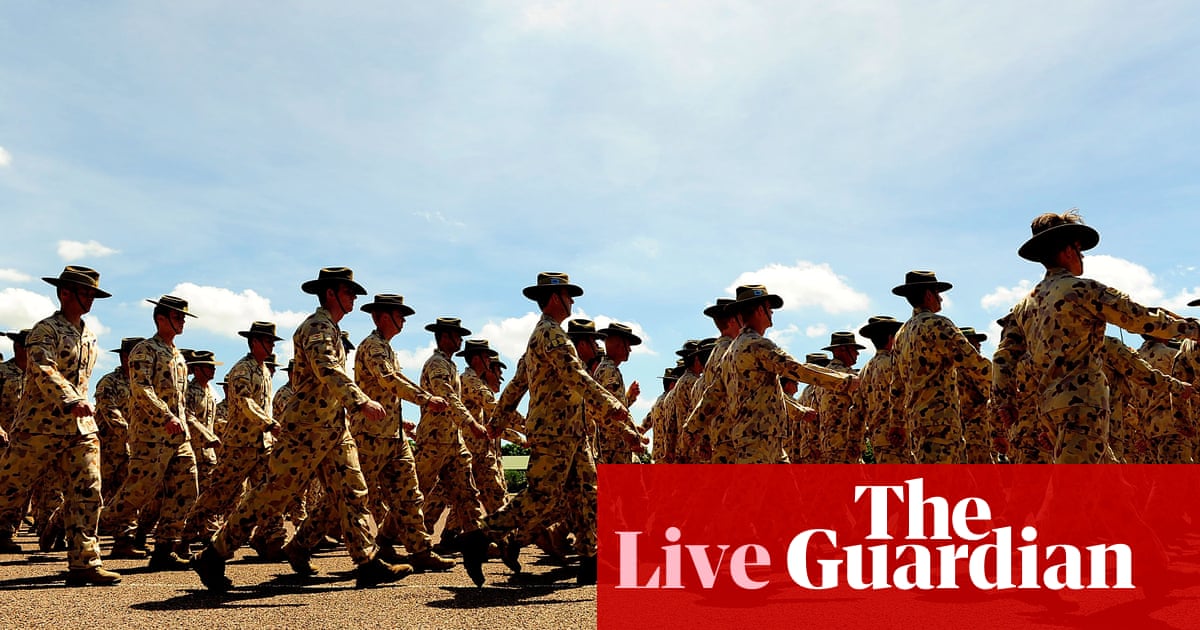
column 112, row 404
column 377, row 371
column 1127, row 372
column 61, row 359
column 280, row 400
column 1156, row 407
column 836, row 418
column 439, row 377
column 880, row 411
column 322, row 390
column 201, row 415
column 158, row 392
column 249, row 416
column 701, row 427
column 932, row 355
column 480, row 400
column 12, row 381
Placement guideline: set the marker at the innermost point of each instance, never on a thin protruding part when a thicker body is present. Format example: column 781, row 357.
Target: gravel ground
column 33, row 595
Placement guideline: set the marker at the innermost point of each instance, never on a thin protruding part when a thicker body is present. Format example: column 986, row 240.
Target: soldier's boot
column 92, row 576
column 376, row 571
column 300, row 558
column 587, row 571
column 211, row 569
column 449, row 542
column 8, row 545
column 387, row 551
column 429, row 561
column 140, row 539
column 125, row 548
column 474, row 547
column 53, row 534
column 510, row 555
column 164, row 558
column 268, row 550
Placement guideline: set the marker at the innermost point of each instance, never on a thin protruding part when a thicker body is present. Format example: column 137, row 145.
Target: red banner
column 899, row 546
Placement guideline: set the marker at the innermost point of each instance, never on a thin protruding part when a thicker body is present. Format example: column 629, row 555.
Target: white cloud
column 75, row 250
column 411, row 361
column 12, row 275
column 5, row 157
column 784, row 336
column 816, row 330
column 96, row 326
column 224, row 312
column 806, row 284
column 509, row 336
column 602, row 321
column 1127, row 276
column 21, row 309
column 1003, row 298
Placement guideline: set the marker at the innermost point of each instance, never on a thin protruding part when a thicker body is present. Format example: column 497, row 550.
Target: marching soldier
column 932, row 357
column 619, row 340
column 161, row 458
column 1127, row 372
column 841, row 435
column 1169, row 428
column 880, row 414
column 55, row 428
column 12, row 381
column 654, row 419
column 696, row 438
column 202, row 413
column 973, row 408
column 314, row 435
column 1061, row 324
column 112, row 415
column 479, row 385
column 810, row 398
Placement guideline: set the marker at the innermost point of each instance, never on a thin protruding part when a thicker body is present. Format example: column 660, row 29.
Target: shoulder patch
column 316, row 337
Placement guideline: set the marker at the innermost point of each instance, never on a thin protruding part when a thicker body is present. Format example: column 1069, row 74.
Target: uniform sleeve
column 107, row 411
column 775, row 360
column 1008, row 355
column 1116, row 308
column 516, row 389
column 142, row 366
column 243, row 391
column 1134, row 368
column 570, row 371
column 441, row 383
column 318, row 342
column 42, row 369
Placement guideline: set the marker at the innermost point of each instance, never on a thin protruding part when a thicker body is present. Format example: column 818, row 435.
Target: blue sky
column 660, row 153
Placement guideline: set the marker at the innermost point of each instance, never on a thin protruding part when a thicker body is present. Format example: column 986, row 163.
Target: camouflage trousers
column 978, row 447
column 749, row 452
column 936, row 451
column 294, row 460
column 391, row 474
column 444, row 472
column 206, row 463
column 554, row 474
column 493, row 489
column 75, row 459
column 155, row 470
column 1081, row 436
column 833, row 447
column 114, row 464
column 238, row 465
column 1173, row 449
column 887, row 454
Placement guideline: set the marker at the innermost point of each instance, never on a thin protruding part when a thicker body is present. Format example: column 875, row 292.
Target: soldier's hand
column 809, row 416
column 635, row 390
column 174, row 426
column 437, row 404
column 851, row 384
column 410, row 427
column 3, row 439
column 213, row 443
column 274, row 427
column 83, row 409
column 373, row 411
column 1007, row 414
column 620, row 415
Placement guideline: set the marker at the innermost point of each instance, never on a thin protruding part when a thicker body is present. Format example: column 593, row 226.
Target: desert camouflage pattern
column 1127, row 373
column 612, row 446
column 696, row 433
column 60, row 362
column 881, row 414
column 201, row 417
column 486, row 460
column 836, row 421
column 12, row 381
column 112, row 412
column 443, row 461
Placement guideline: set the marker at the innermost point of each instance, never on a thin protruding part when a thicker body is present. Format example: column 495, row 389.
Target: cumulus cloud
column 1127, row 276
column 411, row 361
column 75, row 250
column 602, row 321
column 806, row 284
column 509, row 336
column 1003, row 298
column 21, row 309
column 5, row 157
column 12, row 275
column 816, row 330
column 96, row 326
column 224, row 312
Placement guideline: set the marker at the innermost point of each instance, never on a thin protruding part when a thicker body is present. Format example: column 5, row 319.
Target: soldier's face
column 83, row 298
column 617, row 348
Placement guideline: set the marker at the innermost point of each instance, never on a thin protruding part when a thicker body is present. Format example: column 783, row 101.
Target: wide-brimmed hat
column 448, row 324
column 817, row 358
column 919, row 282
column 880, row 325
column 669, row 375
column 751, row 292
column 475, row 346
column 202, row 357
column 79, row 276
column 704, row 349
column 621, row 330
column 19, row 336
column 843, row 339
column 1194, row 303
column 332, row 275
column 127, row 344
column 261, row 329
column 388, row 302
column 290, row 366
column 1051, row 238
column 272, row 361
column 719, row 309
column 346, row 343
column 688, row 349
column 583, row 328
column 174, row 303
column 970, row 333
column 552, row 281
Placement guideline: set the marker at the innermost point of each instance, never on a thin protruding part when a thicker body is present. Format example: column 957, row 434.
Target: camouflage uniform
column 297, row 509
column 158, row 460
column 654, row 420
column 1061, row 323
column 1126, row 373
column 932, row 356
column 47, row 439
column 12, row 380
column 201, row 418
column 755, row 416
column 246, row 443
column 977, row 425
column 561, row 461
column 835, row 419
column 1168, row 427
column 112, row 413
column 683, row 401
column 443, row 462
column 707, row 412
column 314, row 436
column 881, row 414
column 486, row 464
column 612, row 447
column 387, row 459
column 809, row 448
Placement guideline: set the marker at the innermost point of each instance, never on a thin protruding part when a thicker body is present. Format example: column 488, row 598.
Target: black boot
column 211, row 568
column 587, row 571
column 300, row 558
column 164, row 558
column 474, row 547
column 8, row 545
column 376, row 572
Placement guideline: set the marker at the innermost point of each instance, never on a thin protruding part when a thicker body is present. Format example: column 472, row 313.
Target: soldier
column 55, row 428
column 202, row 413
column 112, row 415
column 387, row 460
column 161, row 458
column 810, row 398
column 314, row 435
column 561, row 460
column 479, row 387
column 1061, row 324
column 755, row 419
column 1127, row 372
column 246, row 444
column 683, row 400
column 12, row 381
column 841, row 435
column 654, row 419
column 619, row 340
column 932, row 358
column 709, row 390
column 880, row 414
column 582, row 333
column 978, row 432
column 1165, row 419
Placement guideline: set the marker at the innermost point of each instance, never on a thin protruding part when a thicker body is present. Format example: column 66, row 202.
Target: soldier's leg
column 26, row 458
column 147, row 468
column 546, row 478
column 224, row 488
column 1080, row 439
column 79, row 466
column 349, row 488
column 489, row 480
column 406, row 521
column 180, row 487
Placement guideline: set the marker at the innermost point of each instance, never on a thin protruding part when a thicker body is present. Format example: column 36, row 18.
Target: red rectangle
column 899, row 546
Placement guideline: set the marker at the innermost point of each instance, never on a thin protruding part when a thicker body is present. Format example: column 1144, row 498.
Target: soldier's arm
column 106, row 409
column 242, row 391
column 1004, row 366
column 318, row 343
column 43, row 371
column 380, row 364
column 142, row 364
column 1116, row 308
column 515, row 390
column 1133, row 367
column 440, row 381
column 777, row 361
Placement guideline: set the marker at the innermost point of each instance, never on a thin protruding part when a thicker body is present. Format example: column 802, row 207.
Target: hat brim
column 433, row 328
column 249, row 333
column 208, row 363
column 716, row 310
column 775, row 300
column 168, row 306
column 1194, row 303
column 465, row 353
column 870, row 330
column 314, row 287
column 534, row 291
column 1036, row 247
column 978, row 337
column 403, row 309
column 921, row 287
column 633, row 339
column 846, row 345
column 100, row 293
